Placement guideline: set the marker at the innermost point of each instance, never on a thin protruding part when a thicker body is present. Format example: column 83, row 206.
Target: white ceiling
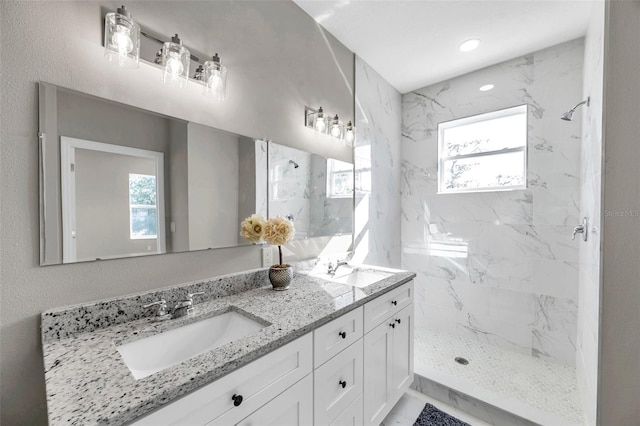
column 413, row 44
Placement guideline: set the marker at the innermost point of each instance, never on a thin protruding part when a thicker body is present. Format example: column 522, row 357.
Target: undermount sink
column 356, row 276
column 155, row 353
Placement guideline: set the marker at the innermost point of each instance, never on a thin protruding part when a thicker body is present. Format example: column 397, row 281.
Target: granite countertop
column 88, row 383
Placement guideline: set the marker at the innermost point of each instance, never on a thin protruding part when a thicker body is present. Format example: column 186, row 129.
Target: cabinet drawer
column 337, row 383
column 332, row 338
column 386, row 305
column 257, row 383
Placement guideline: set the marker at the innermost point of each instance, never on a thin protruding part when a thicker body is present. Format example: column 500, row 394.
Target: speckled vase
column 280, row 276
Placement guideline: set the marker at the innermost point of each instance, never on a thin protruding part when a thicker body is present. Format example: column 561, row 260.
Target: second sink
column 155, row 353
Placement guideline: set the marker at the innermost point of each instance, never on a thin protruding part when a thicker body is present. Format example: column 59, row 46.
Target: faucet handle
column 162, row 307
column 197, row 293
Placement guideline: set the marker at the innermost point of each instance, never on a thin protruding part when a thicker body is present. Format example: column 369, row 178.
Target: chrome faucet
column 331, row 268
column 162, row 313
column 182, row 308
column 185, row 306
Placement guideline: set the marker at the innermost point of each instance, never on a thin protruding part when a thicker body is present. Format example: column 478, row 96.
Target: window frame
column 477, row 118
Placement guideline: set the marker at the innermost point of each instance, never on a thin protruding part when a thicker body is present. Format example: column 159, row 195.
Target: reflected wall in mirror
column 313, row 191
column 118, row 181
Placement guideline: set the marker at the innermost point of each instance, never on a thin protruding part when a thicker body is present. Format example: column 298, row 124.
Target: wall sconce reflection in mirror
column 329, row 124
column 122, row 37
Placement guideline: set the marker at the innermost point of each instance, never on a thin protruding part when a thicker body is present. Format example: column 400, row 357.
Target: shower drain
column 461, row 361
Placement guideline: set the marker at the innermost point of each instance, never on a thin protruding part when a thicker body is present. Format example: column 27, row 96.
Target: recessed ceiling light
column 486, row 87
column 469, row 45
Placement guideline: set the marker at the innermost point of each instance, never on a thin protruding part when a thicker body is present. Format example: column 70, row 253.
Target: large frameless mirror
column 118, row 181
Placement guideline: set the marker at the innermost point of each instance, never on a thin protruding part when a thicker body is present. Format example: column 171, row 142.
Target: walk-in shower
column 497, row 271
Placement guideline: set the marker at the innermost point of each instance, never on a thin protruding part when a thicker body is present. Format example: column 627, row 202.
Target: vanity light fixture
column 486, row 87
column 175, row 60
column 319, row 122
column 122, row 44
column 215, row 78
column 336, row 127
column 469, row 45
column 122, row 38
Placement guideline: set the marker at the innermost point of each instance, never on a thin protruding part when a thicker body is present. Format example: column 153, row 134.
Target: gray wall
column 278, row 61
column 213, row 187
column 178, row 214
column 620, row 294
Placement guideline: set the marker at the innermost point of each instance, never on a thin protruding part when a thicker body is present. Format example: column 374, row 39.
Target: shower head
column 295, row 165
column 568, row 116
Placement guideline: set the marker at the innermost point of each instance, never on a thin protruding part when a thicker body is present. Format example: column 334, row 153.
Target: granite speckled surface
column 88, row 383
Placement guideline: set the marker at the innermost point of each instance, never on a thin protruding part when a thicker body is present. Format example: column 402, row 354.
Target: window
column 486, row 152
column 339, row 179
column 143, row 207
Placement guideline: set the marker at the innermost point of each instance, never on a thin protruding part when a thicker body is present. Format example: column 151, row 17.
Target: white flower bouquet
column 276, row 231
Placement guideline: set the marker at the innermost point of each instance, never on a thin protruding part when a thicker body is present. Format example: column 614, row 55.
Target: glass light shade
column 349, row 134
column 335, row 128
column 175, row 59
column 214, row 77
column 319, row 122
column 122, row 39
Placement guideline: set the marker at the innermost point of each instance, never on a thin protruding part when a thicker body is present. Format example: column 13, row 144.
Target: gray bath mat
column 431, row 416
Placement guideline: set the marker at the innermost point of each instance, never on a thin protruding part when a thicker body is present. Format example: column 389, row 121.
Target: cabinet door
column 352, row 416
column 402, row 364
column 293, row 407
column 378, row 353
column 337, row 383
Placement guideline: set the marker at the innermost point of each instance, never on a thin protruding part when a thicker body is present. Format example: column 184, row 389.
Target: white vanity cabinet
column 388, row 352
column 350, row 371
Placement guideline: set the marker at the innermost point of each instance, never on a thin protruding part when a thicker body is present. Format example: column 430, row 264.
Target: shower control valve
column 581, row 229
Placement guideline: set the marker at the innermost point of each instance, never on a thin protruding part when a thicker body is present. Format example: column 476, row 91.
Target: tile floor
column 411, row 404
column 511, row 379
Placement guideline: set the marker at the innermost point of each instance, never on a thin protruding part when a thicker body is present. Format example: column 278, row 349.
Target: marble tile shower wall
column 378, row 149
column 591, row 205
column 500, row 266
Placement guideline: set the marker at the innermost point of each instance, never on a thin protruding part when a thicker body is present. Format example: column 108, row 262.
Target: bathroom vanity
column 322, row 353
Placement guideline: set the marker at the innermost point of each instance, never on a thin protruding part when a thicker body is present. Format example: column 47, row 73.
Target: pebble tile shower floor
column 539, row 383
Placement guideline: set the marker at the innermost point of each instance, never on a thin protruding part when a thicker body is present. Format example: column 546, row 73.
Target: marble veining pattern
column 499, row 266
column 377, row 164
column 88, row 383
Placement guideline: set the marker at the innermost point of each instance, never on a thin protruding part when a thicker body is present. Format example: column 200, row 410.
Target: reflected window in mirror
column 339, row 179
column 143, row 207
